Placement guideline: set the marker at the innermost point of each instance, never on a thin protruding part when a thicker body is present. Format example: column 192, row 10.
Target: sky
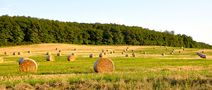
column 190, row 17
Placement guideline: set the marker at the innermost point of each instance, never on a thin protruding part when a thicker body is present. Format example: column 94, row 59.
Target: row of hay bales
column 16, row 53
column 102, row 65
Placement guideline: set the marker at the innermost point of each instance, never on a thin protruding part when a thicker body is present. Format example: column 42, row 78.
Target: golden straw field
column 153, row 67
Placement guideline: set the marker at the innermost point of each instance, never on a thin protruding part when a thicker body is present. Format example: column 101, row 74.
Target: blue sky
column 190, row 17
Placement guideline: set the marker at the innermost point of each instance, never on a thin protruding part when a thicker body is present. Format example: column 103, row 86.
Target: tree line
column 19, row 30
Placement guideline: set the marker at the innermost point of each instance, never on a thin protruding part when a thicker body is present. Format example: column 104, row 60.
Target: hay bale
column 103, row 50
column 59, row 54
column 105, row 53
column 163, row 54
column 145, row 53
column 71, row 57
column 75, row 49
column 50, row 58
column 1, row 60
column 91, row 55
column 104, row 65
column 133, row 54
column 122, row 52
column 5, row 53
column 126, row 55
column 60, row 50
column 101, row 55
column 14, row 53
column 113, row 51
column 48, row 53
column 56, row 48
column 19, row 53
column 201, row 55
column 203, row 51
column 27, row 65
column 29, row 52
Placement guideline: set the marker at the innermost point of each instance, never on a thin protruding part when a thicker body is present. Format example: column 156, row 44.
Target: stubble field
column 178, row 68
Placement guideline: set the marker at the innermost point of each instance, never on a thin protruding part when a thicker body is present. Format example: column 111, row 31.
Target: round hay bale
column 104, row 65
column 19, row 53
column 145, row 53
column 101, row 55
column 203, row 51
column 105, row 53
column 126, row 55
column 48, row 53
column 29, row 52
column 60, row 50
column 14, row 53
column 163, row 54
column 179, row 51
column 59, row 54
column 133, row 54
column 5, row 53
column 50, row 58
column 56, row 48
column 71, row 57
column 122, row 52
column 91, row 55
column 103, row 50
column 75, row 49
column 1, row 60
column 27, row 65
column 113, row 51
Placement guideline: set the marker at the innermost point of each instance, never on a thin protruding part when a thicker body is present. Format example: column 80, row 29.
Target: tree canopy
column 18, row 30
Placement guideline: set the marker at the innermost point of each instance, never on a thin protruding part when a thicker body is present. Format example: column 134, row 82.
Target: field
column 148, row 70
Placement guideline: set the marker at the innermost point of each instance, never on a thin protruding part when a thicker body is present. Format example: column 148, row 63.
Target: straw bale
column 14, row 53
column 48, row 53
column 133, row 54
column 5, row 53
column 91, row 55
column 126, row 55
column 101, row 55
column 27, row 65
column 71, row 57
column 19, row 53
column 29, row 52
column 50, row 58
column 104, row 65
column 59, row 54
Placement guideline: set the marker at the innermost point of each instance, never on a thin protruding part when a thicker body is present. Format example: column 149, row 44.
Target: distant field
column 148, row 70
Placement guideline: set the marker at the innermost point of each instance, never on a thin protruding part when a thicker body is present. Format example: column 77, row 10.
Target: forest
column 21, row 30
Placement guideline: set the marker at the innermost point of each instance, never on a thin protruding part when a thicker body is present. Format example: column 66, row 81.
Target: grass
column 142, row 72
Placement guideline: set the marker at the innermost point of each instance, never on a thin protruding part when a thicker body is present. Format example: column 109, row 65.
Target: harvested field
column 145, row 71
